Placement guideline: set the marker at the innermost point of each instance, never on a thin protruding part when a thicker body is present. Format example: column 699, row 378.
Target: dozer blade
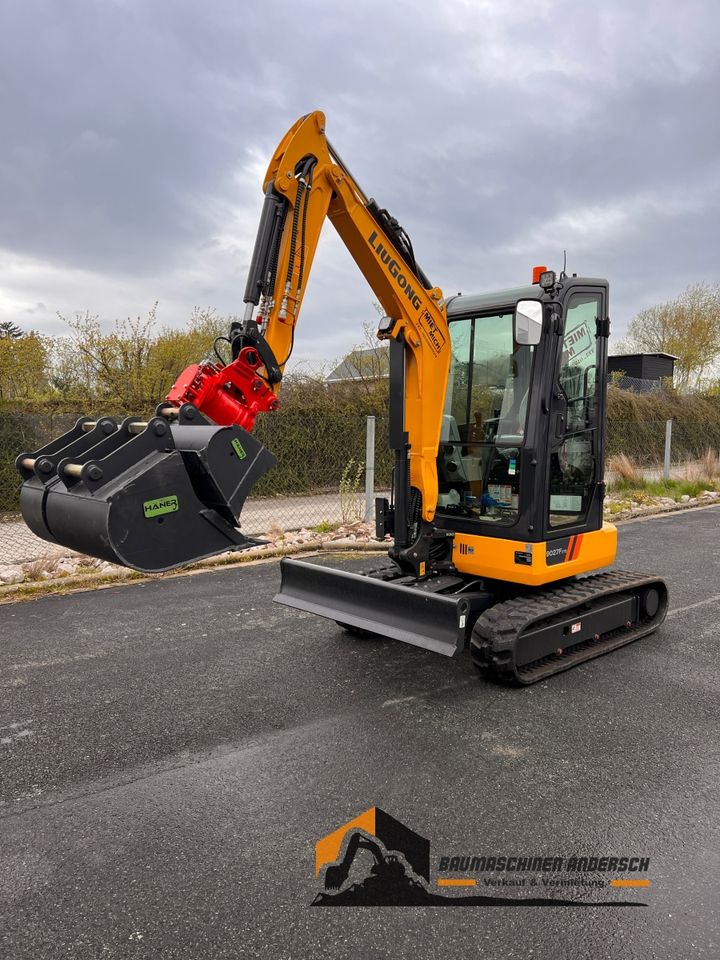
column 401, row 612
column 148, row 495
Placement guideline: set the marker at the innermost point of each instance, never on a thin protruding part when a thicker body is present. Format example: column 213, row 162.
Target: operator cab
column 520, row 451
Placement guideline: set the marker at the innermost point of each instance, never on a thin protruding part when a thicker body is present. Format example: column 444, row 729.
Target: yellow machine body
column 497, row 558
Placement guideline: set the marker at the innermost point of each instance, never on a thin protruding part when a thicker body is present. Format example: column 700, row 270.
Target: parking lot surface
column 171, row 750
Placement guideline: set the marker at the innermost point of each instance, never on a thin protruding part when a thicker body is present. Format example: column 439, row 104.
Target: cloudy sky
column 135, row 134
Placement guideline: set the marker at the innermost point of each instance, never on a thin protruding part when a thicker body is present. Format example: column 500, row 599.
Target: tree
column 23, row 363
column 687, row 327
column 10, row 330
column 104, row 367
column 130, row 368
column 173, row 350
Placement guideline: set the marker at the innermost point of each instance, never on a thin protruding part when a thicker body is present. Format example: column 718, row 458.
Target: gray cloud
column 135, row 137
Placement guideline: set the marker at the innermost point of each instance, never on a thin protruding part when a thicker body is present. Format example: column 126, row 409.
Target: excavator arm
column 160, row 493
column 307, row 182
column 337, row 873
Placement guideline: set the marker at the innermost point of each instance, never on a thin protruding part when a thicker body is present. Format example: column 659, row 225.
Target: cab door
column 577, row 423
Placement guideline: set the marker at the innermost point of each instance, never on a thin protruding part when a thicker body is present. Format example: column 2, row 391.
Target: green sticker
column 239, row 449
column 156, row 508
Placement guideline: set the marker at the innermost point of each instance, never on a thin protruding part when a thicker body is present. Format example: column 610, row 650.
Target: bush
column 624, row 469
column 626, row 405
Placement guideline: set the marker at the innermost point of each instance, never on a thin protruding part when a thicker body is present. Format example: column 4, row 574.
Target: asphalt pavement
column 170, row 751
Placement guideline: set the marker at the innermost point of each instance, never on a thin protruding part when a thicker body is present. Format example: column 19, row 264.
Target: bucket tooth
column 151, row 495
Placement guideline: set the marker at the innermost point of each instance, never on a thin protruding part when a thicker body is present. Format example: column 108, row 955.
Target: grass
column 710, row 464
column 325, row 527
column 679, row 488
column 11, row 593
column 351, row 504
column 624, row 469
column 641, row 490
column 628, row 480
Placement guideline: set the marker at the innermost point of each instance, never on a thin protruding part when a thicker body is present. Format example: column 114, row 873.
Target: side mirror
column 527, row 322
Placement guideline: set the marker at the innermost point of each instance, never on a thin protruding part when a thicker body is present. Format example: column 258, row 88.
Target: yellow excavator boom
column 415, row 313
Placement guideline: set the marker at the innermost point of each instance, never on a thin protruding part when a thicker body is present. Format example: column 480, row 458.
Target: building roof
column 350, row 367
column 617, row 356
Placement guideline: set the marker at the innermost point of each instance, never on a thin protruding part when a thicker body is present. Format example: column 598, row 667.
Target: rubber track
column 497, row 629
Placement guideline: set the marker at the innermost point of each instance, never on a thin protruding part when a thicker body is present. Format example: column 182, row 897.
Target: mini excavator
column 497, row 427
column 387, row 869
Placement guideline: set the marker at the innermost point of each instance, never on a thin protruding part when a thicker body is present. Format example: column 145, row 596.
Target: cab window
column 485, row 418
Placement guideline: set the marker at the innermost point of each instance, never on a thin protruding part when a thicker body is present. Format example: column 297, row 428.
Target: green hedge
column 318, row 431
column 644, row 441
column 312, row 448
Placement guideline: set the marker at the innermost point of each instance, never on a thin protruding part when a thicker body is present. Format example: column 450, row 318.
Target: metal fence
column 329, row 468
column 661, row 444
column 320, row 480
column 637, row 384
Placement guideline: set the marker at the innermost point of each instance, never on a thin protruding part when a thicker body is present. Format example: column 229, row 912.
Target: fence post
column 668, row 445
column 369, row 469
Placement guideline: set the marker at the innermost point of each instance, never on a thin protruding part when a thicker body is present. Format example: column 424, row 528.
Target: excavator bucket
column 400, row 609
column 148, row 495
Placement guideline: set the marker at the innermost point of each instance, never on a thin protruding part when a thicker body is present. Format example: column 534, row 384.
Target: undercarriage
column 514, row 634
